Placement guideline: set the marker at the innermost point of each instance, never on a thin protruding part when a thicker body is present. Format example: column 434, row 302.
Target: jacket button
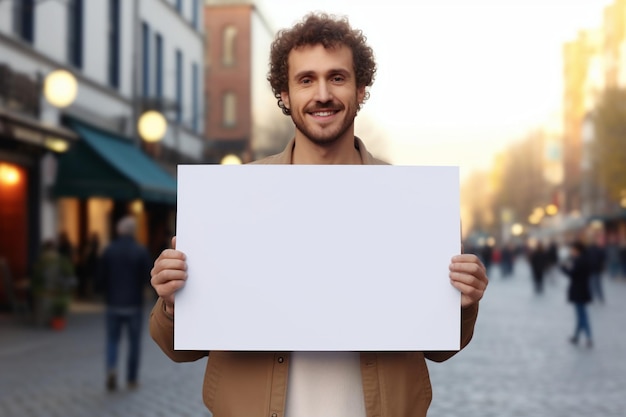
column 280, row 360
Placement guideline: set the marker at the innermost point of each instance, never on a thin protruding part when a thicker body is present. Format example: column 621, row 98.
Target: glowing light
column 517, row 229
column 552, row 210
column 230, row 159
column 9, row 174
column 60, row 88
column 596, row 224
column 136, row 207
column 152, row 126
column 56, row 144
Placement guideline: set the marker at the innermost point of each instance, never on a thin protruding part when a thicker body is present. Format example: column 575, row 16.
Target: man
column 123, row 275
column 319, row 72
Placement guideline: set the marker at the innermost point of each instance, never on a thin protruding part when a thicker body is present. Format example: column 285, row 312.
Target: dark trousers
column 116, row 319
column 582, row 321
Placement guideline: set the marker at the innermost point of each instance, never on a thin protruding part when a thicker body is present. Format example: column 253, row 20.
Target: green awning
column 105, row 165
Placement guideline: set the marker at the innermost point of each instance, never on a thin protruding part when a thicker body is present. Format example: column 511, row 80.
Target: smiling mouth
column 323, row 113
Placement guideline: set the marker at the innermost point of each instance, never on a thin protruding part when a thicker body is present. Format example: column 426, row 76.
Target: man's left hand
column 468, row 275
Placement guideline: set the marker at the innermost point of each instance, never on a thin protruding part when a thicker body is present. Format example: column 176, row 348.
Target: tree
column 522, row 185
column 608, row 148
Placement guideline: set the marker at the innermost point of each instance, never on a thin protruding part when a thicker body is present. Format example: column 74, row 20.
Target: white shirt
column 325, row 384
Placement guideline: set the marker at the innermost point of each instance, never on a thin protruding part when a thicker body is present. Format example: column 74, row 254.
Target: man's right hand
column 169, row 275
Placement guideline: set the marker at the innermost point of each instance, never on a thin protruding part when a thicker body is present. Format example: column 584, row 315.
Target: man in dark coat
column 123, row 274
column 578, row 291
column 596, row 256
column 538, row 262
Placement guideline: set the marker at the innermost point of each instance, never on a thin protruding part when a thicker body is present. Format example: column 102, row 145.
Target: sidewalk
column 520, row 363
column 61, row 374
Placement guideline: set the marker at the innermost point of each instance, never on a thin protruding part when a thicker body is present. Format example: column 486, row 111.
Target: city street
column 520, row 363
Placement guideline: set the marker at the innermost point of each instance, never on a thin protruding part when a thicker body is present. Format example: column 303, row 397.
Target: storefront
column 104, row 177
column 28, row 149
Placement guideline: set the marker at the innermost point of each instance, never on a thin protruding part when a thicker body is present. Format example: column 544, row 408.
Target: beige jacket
column 254, row 384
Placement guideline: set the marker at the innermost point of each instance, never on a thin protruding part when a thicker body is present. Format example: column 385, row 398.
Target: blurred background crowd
column 94, row 119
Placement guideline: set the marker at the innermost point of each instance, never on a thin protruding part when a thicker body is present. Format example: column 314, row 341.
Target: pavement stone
column 520, row 363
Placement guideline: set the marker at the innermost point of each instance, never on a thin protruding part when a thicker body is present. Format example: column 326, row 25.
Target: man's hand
column 468, row 275
column 169, row 275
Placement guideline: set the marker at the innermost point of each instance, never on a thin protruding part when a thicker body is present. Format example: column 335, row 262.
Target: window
column 114, row 43
column 179, row 86
column 229, row 39
column 195, row 15
column 75, row 32
column 24, row 19
column 195, row 105
column 230, row 110
column 145, row 73
column 158, row 46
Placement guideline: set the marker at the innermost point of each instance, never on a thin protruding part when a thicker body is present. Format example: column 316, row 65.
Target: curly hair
column 328, row 31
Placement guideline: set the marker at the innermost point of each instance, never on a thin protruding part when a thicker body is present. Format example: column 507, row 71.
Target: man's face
column 323, row 96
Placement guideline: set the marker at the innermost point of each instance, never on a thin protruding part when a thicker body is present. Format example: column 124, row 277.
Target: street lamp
column 60, row 88
column 230, row 159
column 152, row 126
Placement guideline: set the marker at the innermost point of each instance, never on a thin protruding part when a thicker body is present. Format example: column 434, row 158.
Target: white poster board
column 318, row 257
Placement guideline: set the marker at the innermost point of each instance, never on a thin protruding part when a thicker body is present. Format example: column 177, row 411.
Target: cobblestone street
column 520, row 363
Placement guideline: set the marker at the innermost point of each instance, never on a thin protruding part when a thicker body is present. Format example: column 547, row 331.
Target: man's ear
column 284, row 96
column 361, row 95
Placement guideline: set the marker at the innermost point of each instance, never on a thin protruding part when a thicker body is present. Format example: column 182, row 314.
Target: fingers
column 174, row 242
column 169, row 274
column 468, row 275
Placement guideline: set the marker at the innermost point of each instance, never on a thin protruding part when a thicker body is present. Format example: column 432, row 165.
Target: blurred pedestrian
column 552, row 262
column 578, row 292
column 88, row 264
column 319, row 72
column 486, row 255
column 124, row 273
column 622, row 257
column 52, row 284
column 596, row 257
column 507, row 258
column 66, row 248
column 613, row 263
column 538, row 262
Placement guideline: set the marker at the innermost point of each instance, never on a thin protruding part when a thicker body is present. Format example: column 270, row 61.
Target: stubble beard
column 325, row 138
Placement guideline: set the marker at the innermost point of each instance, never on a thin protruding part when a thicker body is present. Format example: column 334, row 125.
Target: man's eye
column 338, row 78
column 305, row 81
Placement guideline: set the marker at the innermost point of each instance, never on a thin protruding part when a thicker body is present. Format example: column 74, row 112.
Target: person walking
column 320, row 70
column 88, row 264
column 579, row 272
column 507, row 259
column 538, row 263
column 596, row 256
column 123, row 274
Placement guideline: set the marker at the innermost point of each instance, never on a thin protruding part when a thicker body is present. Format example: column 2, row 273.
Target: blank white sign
column 318, row 257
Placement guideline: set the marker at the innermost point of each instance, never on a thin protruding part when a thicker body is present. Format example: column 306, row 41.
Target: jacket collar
column 286, row 156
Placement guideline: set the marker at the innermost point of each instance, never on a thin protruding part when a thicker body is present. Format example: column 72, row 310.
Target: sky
column 457, row 80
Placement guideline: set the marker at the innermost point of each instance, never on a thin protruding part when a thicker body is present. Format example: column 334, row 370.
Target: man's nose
column 323, row 93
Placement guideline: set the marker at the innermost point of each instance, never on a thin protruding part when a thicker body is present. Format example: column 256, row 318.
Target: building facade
column 594, row 62
column 242, row 118
column 76, row 169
